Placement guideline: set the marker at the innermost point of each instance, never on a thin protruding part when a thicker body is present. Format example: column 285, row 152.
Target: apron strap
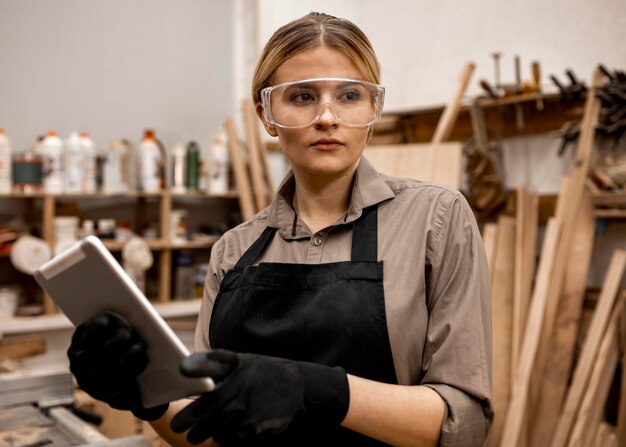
column 365, row 236
column 255, row 250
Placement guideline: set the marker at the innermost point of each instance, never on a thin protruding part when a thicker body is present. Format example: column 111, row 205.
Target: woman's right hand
column 106, row 356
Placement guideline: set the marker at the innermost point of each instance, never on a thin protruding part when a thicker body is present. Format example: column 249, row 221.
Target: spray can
column 179, row 155
column 89, row 166
column 150, row 163
column 73, row 164
column 52, row 152
column 218, row 171
column 5, row 163
column 193, row 161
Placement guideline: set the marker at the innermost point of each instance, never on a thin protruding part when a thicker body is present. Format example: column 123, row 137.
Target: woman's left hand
column 259, row 396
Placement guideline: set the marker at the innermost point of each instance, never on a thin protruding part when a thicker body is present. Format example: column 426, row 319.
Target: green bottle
column 192, row 178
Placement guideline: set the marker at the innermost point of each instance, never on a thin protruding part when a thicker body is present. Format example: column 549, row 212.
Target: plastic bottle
column 218, row 171
column 5, row 163
column 73, row 163
column 150, row 163
column 179, row 155
column 89, row 168
column 193, row 161
column 51, row 149
column 185, row 276
column 113, row 170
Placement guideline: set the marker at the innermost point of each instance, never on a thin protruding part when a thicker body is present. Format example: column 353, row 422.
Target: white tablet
column 86, row 280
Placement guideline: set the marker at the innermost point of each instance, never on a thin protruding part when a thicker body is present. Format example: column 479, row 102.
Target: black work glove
column 259, row 396
column 106, row 356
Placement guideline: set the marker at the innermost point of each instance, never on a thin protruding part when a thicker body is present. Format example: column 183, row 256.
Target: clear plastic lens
column 301, row 103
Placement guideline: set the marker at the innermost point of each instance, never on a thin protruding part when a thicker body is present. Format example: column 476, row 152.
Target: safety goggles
column 299, row 104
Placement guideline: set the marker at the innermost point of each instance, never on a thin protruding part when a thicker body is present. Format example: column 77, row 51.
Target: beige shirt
column 436, row 283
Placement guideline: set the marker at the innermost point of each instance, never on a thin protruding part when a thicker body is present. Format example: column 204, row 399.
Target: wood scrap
column 451, row 111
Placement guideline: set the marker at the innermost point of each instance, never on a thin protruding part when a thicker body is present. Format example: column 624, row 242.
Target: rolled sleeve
column 457, row 353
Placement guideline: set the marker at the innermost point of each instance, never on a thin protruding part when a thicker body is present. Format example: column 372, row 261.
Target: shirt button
column 317, row 241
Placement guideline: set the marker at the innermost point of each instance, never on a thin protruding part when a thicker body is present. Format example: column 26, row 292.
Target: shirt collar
column 367, row 189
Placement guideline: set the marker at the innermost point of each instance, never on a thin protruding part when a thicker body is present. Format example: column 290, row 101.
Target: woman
column 355, row 309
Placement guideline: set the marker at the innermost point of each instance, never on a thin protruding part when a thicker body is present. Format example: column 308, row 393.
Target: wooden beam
column 597, row 327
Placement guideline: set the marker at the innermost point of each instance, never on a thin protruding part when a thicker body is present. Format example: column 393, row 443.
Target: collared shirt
column 436, row 283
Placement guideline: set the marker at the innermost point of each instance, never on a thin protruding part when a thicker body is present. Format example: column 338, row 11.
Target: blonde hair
column 311, row 31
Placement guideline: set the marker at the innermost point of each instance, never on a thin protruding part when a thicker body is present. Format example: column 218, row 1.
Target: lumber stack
column 546, row 392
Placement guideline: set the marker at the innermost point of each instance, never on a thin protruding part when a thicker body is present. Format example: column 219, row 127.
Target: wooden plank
column 259, row 187
column 240, row 169
column 602, row 435
column 596, row 393
column 527, row 215
column 451, row 112
column 165, row 256
column 563, row 341
column 416, row 161
column 502, row 310
column 589, row 350
column 516, row 411
column 620, row 431
column 47, row 232
column 490, row 237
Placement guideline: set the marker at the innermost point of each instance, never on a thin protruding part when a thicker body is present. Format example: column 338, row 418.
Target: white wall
column 115, row 67
column 424, row 44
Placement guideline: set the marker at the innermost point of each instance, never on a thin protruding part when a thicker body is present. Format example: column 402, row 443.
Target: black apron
column 333, row 314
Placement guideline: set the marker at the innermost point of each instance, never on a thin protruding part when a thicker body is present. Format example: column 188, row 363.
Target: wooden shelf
column 415, row 126
column 161, row 244
column 58, row 321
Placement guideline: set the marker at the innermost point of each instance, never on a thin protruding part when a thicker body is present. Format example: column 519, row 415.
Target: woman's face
column 327, row 147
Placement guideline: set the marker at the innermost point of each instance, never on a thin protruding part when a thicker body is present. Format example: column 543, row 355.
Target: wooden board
column 560, row 357
column 516, row 412
column 526, row 222
column 502, row 310
column 589, row 351
column 490, row 238
column 417, row 161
